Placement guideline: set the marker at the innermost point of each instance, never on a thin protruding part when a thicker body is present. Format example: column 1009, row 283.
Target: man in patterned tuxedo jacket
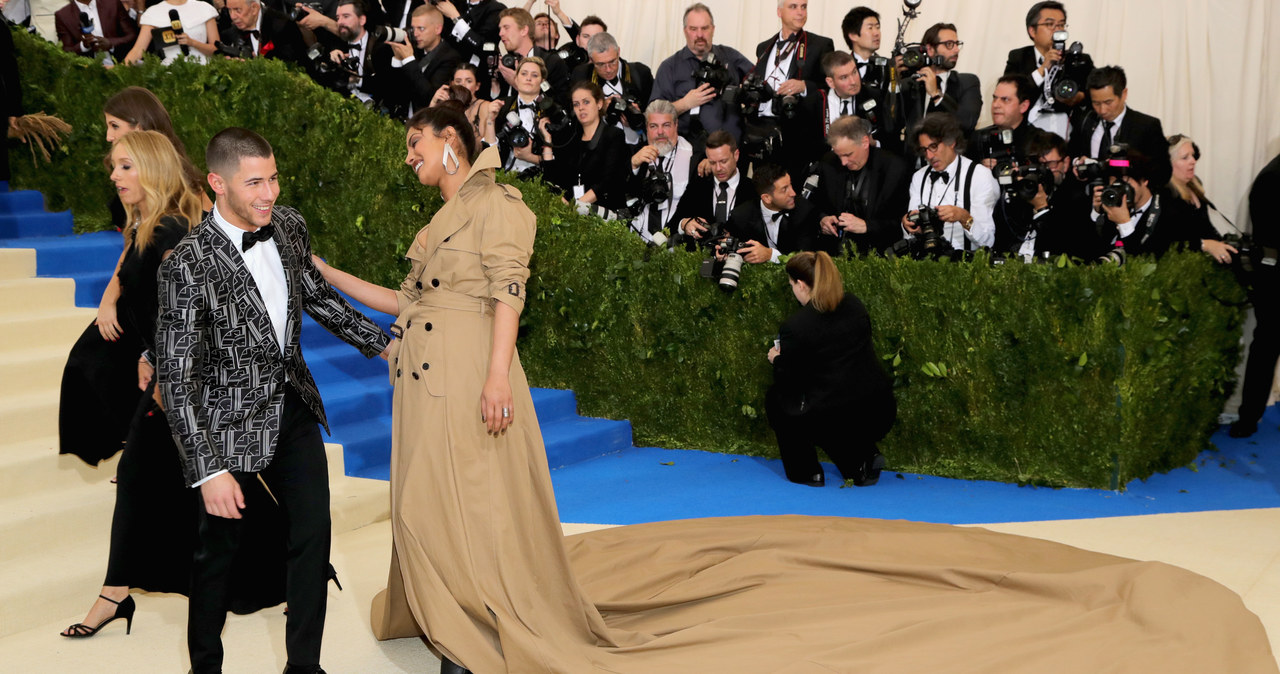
column 239, row 397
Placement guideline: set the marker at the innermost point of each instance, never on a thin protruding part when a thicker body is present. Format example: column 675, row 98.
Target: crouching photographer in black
column 776, row 224
column 861, row 190
column 829, row 389
column 1057, row 219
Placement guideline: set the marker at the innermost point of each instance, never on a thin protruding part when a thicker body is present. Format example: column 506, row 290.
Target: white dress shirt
column 1096, row 140
column 1041, row 114
column 771, row 227
column 733, row 181
column 983, row 194
column 527, row 121
column 677, row 164
column 835, row 106
column 1127, row 228
column 775, row 75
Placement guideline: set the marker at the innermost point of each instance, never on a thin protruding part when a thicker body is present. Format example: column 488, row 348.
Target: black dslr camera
column 712, row 72
column 510, row 60
column 930, row 242
column 558, row 119
column 299, row 13
column 1072, row 71
column 236, row 50
column 726, row 271
column 760, row 143
column 655, row 185
column 1115, row 162
column 1023, row 181
column 915, row 58
column 748, row 96
column 625, row 109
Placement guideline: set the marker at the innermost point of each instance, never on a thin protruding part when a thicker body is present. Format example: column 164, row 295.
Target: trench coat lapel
column 459, row 214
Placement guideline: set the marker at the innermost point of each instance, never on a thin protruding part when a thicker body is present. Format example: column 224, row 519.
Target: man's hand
column 1119, row 214
column 829, row 224
column 791, row 87
column 646, row 155
column 315, row 20
column 401, row 51
column 990, row 163
column 337, row 55
column 222, row 497
column 704, row 168
column 507, row 74
column 756, row 252
column 852, row 223
column 700, row 96
column 930, row 78
column 446, row 8
column 554, row 4
column 1052, row 58
column 907, row 224
column 145, row 372
column 953, row 214
column 774, row 352
column 695, row 227
column 1041, row 200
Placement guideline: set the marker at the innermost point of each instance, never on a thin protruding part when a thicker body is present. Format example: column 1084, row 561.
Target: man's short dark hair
column 943, row 127
column 229, row 146
column 356, row 6
column 852, row 23
column 765, row 176
column 1042, row 144
column 593, row 20
column 836, row 59
column 1108, row 76
column 931, row 36
column 697, row 7
column 469, row 67
column 1026, row 88
column 722, row 138
column 1033, row 15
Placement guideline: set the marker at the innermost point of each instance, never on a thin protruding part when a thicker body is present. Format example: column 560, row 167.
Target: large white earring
column 450, row 154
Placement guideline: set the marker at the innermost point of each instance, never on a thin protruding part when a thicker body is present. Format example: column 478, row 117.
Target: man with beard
column 667, row 157
column 1060, row 219
column 699, row 106
column 428, row 68
column 515, row 29
column 370, row 51
column 941, row 88
column 778, row 223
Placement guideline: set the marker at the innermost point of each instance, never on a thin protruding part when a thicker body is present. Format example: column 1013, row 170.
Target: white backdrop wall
column 1207, row 68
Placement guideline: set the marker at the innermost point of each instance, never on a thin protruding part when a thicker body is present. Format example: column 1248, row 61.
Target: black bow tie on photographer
column 262, row 234
column 354, row 46
column 254, row 34
column 935, row 175
column 527, row 106
column 776, row 216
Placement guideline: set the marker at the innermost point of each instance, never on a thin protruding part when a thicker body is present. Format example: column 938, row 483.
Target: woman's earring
column 450, row 154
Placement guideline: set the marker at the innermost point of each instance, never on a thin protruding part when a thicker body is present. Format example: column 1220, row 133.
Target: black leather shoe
column 817, row 480
column 448, row 666
column 293, row 669
column 1243, row 429
column 870, row 471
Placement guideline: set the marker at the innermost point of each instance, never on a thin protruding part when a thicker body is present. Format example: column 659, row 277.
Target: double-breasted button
column 409, row 324
column 397, row 372
column 426, row 366
column 435, row 283
column 415, row 375
column 446, row 239
column 428, row 326
column 418, row 285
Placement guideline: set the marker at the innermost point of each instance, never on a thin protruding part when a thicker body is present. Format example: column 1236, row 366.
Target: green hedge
column 1057, row 375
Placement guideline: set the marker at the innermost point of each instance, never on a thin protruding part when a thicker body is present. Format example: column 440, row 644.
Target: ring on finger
column 506, row 413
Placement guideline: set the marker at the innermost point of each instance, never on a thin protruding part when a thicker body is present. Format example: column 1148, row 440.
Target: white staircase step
column 35, row 368
column 29, row 414
column 24, row 295
column 38, row 328
column 34, row 467
column 17, row 263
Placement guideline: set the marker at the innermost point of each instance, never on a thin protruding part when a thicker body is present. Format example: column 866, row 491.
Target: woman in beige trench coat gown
column 480, row 566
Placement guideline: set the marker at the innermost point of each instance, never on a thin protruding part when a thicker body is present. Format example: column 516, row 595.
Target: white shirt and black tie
column 1041, row 115
column 722, row 197
column 931, row 188
column 1104, row 135
column 262, row 259
column 777, row 64
column 772, row 225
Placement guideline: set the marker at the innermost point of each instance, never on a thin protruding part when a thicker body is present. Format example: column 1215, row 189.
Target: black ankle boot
column 448, row 666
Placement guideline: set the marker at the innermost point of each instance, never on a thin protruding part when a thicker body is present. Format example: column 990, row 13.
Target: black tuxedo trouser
column 298, row 477
column 1265, row 348
column 849, row 439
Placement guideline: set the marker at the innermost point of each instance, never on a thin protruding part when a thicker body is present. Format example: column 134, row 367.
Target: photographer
column 592, row 167
column 704, row 208
column 471, row 28
column 427, row 68
column 844, row 95
column 260, row 31
column 514, row 124
column 1264, row 349
column 1060, row 220
column 698, row 102
column 1010, row 134
column 861, row 28
column 862, row 189
column 364, row 63
column 108, row 29
column 939, row 88
column 779, row 223
column 1112, row 121
column 515, row 27
column 399, row 13
column 1043, row 62
column 661, row 170
column 1147, row 220
column 1191, row 202
column 623, row 82
column 957, row 194
column 829, row 389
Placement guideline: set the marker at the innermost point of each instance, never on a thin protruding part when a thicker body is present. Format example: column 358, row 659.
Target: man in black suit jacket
column 776, row 224
column 426, row 65
column 240, row 400
column 707, row 202
column 373, row 82
column 862, row 190
column 942, row 89
column 844, row 95
column 515, row 29
column 618, row 79
column 1041, row 62
column 267, row 32
column 1113, row 122
column 399, row 13
column 113, row 31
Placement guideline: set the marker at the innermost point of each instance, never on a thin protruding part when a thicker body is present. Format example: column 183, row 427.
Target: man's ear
column 217, row 184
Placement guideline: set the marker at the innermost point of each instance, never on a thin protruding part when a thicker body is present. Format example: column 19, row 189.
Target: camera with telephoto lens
column 748, row 96
column 1023, row 181
column 300, row 13
column 558, row 119
column 997, row 144
column 712, row 72
column 1073, row 70
column 236, row 50
column 728, row 271
column 932, row 241
column 510, row 60
column 786, row 107
column 915, row 58
column 1115, row 169
column 625, row 109
column 348, row 67
column 760, row 143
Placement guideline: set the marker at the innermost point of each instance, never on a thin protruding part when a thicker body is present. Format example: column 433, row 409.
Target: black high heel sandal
column 124, row 609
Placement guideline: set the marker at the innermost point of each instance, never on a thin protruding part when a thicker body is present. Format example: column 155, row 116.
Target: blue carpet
column 646, row 485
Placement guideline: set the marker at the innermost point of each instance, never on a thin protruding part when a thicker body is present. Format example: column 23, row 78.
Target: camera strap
column 1153, row 216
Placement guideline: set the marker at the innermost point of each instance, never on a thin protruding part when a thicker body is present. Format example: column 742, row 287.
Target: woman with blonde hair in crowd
column 829, row 390
column 1191, row 208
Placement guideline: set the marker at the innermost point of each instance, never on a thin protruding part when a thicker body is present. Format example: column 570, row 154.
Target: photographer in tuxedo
column 109, row 28
column 369, row 48
column 515, row 28
column 862, row 189
column 961, row 191
column 941, row 88
column 1042, row 62
column 776, row 224
column 426, row 65
column 707, row 202
column 1010, row 102
column 1112, row 121
column 668, row 158
column 1061, row 222
column 469, row 26
column 628, row 81
column 266, row 32
column 844, row 95
column 238, row 396
column 861, row 29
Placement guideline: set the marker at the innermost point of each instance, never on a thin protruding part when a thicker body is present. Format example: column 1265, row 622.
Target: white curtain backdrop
column 1209, row 69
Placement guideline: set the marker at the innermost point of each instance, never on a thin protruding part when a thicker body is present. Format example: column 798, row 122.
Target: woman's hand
column 1219, row 251
column 774, row 352
column 496, row 408
column 145, row 372
column 107, row 323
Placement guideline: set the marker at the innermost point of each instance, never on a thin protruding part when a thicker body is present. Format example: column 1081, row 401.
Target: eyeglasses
column 606, row 64
column 1053, row 25
column 951, row 44
column 930, row 148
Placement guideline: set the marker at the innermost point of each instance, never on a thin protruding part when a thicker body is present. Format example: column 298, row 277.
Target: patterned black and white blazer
column 219, row 367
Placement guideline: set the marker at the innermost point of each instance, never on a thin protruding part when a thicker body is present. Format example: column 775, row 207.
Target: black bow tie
column 254, row 34
column 262, row 234
column 354, row 46
column 527, row 106
column 935, row 175
column 776, row 216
